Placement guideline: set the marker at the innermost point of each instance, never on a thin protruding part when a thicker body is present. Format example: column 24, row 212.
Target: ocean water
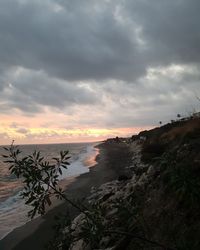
column 13, row 211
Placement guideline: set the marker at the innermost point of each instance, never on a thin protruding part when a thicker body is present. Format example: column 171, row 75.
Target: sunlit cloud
column 45, row 135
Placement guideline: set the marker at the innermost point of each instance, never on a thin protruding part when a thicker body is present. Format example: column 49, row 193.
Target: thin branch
column 68, row 200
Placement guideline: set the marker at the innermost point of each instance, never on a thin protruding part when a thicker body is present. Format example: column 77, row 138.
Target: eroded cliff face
column 158, row 207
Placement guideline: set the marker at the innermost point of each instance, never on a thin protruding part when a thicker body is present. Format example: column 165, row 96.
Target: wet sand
column 111, row 163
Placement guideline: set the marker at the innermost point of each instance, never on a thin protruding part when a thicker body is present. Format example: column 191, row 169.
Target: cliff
column 157, row 207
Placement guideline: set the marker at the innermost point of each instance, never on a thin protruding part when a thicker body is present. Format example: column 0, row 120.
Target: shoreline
column 88, row 162
column 105, row 170
column 64, row 183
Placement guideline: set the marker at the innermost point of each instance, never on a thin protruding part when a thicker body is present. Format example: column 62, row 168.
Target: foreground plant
column 40, row 178
column 41, row 183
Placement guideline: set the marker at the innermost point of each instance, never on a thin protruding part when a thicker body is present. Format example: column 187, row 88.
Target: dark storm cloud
column 171, row 29
column 67, row 53
column 30, row 91
column 73, row 43
column 79, row 40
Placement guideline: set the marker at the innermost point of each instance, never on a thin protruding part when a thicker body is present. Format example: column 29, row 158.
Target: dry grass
column 180, row 132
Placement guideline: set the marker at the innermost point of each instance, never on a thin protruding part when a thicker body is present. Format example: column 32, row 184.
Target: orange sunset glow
column 38, row 134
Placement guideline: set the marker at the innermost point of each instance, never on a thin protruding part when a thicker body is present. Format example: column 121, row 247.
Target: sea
column 13, row 211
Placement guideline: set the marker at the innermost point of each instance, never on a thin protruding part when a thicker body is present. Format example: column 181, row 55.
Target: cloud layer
column 100, row 64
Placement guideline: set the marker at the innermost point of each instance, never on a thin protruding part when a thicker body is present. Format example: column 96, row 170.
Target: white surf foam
column 13, row 211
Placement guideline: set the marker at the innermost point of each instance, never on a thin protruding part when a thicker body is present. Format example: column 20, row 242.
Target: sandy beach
column 111, row 163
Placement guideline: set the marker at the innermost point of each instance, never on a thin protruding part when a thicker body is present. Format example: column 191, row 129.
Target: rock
column 111, row 212
column 106, row 196
column 143, row 180
column 93, row 190
column 80, row 245
column 77, row 222
column 151, row 171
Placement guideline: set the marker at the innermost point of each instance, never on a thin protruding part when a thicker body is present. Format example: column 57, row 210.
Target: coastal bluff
column 157, row 205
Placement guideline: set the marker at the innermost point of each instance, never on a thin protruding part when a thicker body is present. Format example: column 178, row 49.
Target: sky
column 75, row 70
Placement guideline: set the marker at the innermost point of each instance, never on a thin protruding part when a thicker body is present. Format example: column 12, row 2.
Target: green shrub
column 181, row 178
